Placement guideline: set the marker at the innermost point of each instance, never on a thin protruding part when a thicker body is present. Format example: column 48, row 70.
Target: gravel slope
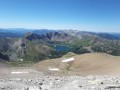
column 93, row 71
column 103, row 82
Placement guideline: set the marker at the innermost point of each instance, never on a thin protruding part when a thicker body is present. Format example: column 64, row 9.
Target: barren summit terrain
column 91, row 71
column 85, row 64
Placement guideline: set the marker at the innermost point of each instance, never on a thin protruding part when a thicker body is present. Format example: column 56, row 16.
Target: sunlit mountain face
column 30, row 44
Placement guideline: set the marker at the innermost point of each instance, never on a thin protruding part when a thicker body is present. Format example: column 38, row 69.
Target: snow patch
column 68, row 60
column 19, row 72
column 54, row 69
column 21, row 60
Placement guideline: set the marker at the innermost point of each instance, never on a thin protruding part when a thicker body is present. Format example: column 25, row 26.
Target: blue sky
column 89, row 15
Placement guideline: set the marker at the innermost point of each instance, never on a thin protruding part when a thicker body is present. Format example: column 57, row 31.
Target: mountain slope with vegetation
column 34, row 47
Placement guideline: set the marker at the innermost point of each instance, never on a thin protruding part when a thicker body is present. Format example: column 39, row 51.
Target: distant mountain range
column 34, row 45
column 19, row 32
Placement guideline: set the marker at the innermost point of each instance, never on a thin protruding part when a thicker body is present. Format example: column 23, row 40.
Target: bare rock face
column 17, row 51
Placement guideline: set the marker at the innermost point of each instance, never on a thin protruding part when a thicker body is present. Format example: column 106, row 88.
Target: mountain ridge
column 32, row 45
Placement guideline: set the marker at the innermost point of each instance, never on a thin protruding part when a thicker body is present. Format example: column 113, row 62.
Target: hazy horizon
column 25, row 29
column 83, row 15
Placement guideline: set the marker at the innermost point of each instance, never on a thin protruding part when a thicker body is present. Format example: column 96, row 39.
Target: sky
column 84, row 15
